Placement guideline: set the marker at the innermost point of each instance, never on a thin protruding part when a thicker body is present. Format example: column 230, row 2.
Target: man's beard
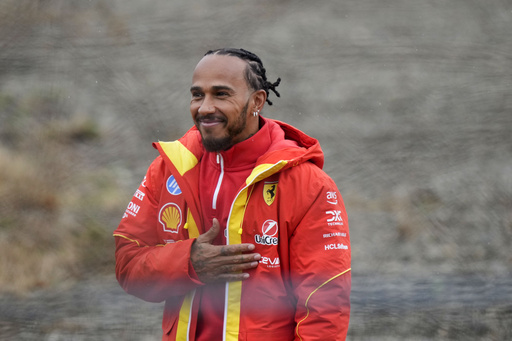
column 213, row 144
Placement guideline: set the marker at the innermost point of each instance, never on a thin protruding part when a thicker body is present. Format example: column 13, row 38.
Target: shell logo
column 170, row 217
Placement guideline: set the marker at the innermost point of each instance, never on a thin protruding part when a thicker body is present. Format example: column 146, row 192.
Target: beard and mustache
column 217, row 144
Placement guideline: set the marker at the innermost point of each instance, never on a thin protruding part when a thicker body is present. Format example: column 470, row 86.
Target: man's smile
column 210, row 121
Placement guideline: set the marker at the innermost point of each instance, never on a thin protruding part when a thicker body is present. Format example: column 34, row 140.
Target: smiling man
column 220, row 102
column 235, row 225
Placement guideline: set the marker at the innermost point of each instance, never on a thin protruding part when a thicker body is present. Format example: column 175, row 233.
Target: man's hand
column 221, row 263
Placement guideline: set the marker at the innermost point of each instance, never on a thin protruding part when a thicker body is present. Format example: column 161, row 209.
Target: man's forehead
column 221, row 65
column 213, row 87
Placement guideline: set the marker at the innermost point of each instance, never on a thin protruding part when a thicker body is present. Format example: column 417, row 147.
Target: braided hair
column 255, row 73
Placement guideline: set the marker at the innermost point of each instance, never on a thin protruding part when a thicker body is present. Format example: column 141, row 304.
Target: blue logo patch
column 172, row 186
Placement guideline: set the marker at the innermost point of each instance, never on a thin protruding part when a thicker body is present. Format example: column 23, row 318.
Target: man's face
column 222, row 102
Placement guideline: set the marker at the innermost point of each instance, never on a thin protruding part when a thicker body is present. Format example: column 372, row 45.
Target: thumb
column 210, row 235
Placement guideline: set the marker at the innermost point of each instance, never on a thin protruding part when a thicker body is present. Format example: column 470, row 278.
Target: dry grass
column 55, row 204
column 33, row 249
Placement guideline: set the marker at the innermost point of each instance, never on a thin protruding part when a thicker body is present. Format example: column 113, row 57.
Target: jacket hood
column 296, row 148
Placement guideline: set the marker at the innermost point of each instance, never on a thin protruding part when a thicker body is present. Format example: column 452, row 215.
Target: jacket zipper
column 220, row 161
column 227, row 285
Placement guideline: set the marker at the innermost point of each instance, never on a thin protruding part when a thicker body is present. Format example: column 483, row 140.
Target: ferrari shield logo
column 269, row 192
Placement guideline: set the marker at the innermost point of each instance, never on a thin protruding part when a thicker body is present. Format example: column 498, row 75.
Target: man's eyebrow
column 222, row 87
column 214, row 88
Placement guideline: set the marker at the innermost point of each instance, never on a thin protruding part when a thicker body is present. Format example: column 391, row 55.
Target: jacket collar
column 281, row 141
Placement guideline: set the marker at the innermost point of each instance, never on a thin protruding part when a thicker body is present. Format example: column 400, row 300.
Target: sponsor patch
column 269, row 231
column 338, row 246
column 172, row 186
column 139, row 195
column 269, row 192
column 269, row 228
column 332, row 198
column 271, row 262
column 170, row 217
column 132, row 209
column 335, row 234
column 334, row 218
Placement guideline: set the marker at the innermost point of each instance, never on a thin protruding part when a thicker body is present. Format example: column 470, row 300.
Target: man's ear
column 259, row 99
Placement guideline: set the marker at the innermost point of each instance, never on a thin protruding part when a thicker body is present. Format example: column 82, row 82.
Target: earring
column 255, row 113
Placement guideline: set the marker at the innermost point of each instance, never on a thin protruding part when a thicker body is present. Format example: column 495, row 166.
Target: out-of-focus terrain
column 411, row 101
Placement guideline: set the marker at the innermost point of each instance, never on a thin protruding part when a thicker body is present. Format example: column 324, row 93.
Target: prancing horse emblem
column 269, row 192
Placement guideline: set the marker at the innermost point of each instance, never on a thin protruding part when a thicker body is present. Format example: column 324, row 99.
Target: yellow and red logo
column 269, row 192
column 170, row 217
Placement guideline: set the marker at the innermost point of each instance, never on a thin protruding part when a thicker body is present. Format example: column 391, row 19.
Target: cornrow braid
column 255, row 73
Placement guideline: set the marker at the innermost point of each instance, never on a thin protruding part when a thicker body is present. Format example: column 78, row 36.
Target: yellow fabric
column 264, row 170
column 193, row 231
column 184, row 319
column 132, row 240
column 234, row 289
column 181, row 157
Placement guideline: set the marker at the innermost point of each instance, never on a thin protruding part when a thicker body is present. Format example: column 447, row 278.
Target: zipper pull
column 218, row 158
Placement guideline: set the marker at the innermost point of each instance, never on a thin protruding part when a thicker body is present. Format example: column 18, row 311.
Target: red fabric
column 301, row 288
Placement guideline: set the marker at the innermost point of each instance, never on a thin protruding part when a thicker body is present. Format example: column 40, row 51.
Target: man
column 235, row 226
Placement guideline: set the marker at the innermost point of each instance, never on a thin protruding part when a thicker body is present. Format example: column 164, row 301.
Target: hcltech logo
column 269, row 231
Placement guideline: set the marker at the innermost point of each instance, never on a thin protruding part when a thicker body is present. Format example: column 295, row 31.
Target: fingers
column 228, row 271
column 210, row 235
column 215, row 224
column 231, row 277
column 211, row 267
column 221, row 263
column 229, row 250
column 233, row 268
column 226, row 264
column 241, row 258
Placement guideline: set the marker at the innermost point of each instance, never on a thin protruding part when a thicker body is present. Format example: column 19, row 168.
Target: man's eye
column 197, row 94
column 222, row 94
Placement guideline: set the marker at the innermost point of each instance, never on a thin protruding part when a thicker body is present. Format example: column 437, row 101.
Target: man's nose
column 207, row 106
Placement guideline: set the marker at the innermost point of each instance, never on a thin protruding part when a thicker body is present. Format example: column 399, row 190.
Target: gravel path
column 383, row 308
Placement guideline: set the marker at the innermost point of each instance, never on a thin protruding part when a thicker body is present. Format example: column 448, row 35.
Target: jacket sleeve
column 145, row 267
column 320, row 262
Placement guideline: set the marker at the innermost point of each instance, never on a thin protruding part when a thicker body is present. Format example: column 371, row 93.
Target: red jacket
column 288, row 208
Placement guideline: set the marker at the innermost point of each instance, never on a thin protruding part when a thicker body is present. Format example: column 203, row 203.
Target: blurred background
column 411, row 101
